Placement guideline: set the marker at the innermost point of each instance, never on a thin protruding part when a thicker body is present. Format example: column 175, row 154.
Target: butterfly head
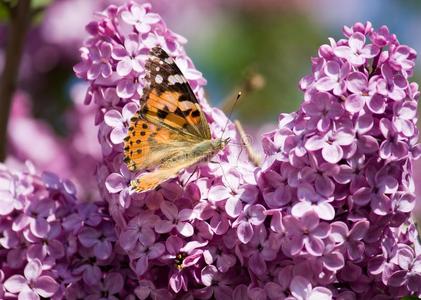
column 219, row 144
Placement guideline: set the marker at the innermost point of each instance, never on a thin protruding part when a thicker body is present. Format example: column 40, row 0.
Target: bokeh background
column 262, row 47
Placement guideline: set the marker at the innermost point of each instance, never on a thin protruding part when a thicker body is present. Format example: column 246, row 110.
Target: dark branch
column 20, row 19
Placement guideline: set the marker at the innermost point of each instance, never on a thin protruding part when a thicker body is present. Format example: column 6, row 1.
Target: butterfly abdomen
column 198, row 152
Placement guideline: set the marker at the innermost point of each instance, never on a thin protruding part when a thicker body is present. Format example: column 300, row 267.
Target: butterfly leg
column 191, row 175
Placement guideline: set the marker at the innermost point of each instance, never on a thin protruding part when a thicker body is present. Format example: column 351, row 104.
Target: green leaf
column 410, row 298
column 40, row 3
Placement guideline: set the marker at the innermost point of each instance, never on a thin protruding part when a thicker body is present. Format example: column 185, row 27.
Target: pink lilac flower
column 211, row 218
column 363, row 92
column 7, row 202
column 405, row 112
column 358, row 163
column 383, row 37
column 331, row 144
column 216, row 284
column 261, row 250
column 183, row 256
column 334, row 78
column 100, row 62
column 35, row 217
column 41, row 254
column 110, row 286
column 306, row 232
column 410, row 269
column 119, row 121
column 86, row 214
column 351, row 239
column 48, row 248
column 302, row 289
column 393, row 84
column 402, row 58
column 140, row 18
column 376, row 193
column 253, row 215
column 145, row 252
column 128, row 57
column 324, row 109
column 393, row 146
column 139, row 230
column 222, row 260
column 175, row 219
column 33, row 284
column 310, row 201
column 278, row 190
column 99, row 240
column 357, row 52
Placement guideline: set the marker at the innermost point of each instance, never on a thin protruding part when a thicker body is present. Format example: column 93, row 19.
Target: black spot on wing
column 162, row 114
column 184, row 97
column 195, row 113
column 182, row 113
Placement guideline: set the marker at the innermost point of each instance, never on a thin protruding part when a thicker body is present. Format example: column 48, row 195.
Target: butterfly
column 170, row 131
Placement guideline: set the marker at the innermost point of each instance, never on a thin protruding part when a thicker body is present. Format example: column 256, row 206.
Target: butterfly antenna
column 230, row 114
column 223, row 174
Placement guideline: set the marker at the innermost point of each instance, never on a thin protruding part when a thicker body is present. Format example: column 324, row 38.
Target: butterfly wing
column 151, row 180
column 149, row 145
column 170, row 122
column 169, row 100
column 164, row 150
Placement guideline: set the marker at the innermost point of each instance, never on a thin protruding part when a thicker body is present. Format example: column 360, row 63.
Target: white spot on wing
column 157, row 69
column 158, row 79
column 177, row 78
column 171, row 79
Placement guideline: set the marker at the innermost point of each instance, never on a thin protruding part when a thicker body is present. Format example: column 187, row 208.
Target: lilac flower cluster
column 327, row 215
column 60, row 155
column 54, row 246
column 339, row 170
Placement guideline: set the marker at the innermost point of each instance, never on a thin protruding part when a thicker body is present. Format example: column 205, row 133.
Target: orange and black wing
column 168, row 100
column 148, row 145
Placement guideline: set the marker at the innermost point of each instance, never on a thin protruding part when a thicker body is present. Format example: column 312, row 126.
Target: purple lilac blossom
column 294, row 228
column 371, row 142
column 53, row 245
column 74, row 156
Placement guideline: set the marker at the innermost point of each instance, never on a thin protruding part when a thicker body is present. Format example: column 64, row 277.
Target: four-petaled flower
column 33, row 284
column 140, row 18
column 307, row 232
column 175, row 219
column 331, row 144
column 357, row 52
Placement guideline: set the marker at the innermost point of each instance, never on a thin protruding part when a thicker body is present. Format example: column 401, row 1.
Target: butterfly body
column 170, row 132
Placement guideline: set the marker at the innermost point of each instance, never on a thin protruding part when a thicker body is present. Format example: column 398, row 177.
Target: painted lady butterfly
column 170, row 131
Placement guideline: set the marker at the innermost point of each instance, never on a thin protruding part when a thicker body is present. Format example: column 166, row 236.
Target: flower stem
column 20, row 19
